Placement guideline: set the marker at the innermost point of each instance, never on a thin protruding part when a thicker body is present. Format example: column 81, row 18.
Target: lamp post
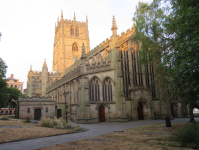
column 65, row 102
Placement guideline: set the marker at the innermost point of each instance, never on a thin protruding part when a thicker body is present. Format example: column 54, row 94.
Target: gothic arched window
column 71, row 31
column 107, row 90
column 76, row 32
column 75, row 49
column 94, row 90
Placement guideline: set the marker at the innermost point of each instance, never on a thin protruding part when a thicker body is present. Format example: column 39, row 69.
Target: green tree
column 151, row 39
column 3, row 68
column 169, row 41
column 3, row 85
column 3, row 93
column 184, row 58
column 13, row 96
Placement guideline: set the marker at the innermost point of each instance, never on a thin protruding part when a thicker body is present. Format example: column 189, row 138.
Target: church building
column 102, row 84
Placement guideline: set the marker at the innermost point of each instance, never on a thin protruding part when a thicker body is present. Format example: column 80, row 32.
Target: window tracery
column 123, row 52
column 75, row 49
column 94, row 89
column 107, row 90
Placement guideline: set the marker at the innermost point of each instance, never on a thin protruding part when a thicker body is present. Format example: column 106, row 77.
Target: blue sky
column 27, row 28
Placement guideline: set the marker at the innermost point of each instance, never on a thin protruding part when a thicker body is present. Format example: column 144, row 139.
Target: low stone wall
column 27, row 107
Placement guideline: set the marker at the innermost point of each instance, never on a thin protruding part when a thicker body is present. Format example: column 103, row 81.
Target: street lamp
column 65, row 102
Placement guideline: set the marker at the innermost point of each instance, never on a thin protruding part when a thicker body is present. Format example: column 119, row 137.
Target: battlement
column 35, row 98
column 98, row 48
column 77, row 63
column 128, row 32
column 35, row 71
column 53, row 72
column 69, row 21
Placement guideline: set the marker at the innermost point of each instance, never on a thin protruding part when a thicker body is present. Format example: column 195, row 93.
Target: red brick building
column 12, row 82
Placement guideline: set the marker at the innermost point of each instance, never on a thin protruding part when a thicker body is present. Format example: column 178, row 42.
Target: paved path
column 94, row 130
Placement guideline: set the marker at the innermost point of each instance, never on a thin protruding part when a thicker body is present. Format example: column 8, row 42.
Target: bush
column 45, row 122
column 188, row 135
column 53, row 123
column 28, row 119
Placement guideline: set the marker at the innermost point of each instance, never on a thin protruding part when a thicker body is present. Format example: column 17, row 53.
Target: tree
column 184, row 58
column 3, row 93
column 3, row 85
column 171, row 35
column 13, row 95
column 3, row 68
column 151, row 39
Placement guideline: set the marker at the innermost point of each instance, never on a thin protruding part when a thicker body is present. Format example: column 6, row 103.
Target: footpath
column 94, row 130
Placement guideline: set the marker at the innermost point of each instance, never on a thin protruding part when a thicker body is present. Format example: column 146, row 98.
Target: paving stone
column 5, row 127
column 26, row 126
column 34, row 121
column 15, row 127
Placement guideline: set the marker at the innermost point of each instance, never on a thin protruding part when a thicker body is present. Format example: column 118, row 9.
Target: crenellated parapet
column 35, row 98
column 125, row 36
column 72, row 74
column 98, row 48
column 73, row 66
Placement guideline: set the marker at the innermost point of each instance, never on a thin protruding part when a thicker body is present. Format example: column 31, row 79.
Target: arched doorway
column 37, row 114
column 101, row 114
column 140, row 111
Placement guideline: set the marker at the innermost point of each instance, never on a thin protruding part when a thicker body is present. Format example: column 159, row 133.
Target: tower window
column 71, row 31
column 76, row 32
column 75, row 49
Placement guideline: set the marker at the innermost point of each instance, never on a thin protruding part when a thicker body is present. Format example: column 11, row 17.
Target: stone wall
column 47, row 106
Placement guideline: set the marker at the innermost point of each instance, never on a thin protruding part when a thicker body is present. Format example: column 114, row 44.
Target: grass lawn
column 27, row 130
column 149, row 137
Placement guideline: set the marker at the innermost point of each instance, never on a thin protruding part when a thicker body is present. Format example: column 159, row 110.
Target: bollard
column 168, row 121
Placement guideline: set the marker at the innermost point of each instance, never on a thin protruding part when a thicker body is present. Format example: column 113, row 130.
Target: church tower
column 69, row 36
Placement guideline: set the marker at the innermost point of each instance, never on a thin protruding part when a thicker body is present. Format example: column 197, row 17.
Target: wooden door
column 58, row 113
column 101, row 114
column 37, row 114
column 140, row 111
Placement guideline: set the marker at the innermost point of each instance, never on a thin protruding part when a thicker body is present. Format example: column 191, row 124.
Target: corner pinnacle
column 74, row 17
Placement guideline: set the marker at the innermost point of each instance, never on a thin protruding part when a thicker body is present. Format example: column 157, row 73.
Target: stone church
column 103, row 84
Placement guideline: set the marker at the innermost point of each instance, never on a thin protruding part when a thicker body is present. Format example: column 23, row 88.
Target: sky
column 28, row 28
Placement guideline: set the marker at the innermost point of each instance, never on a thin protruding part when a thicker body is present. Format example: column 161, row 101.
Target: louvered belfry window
column 76, row 32
column 71, row 31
